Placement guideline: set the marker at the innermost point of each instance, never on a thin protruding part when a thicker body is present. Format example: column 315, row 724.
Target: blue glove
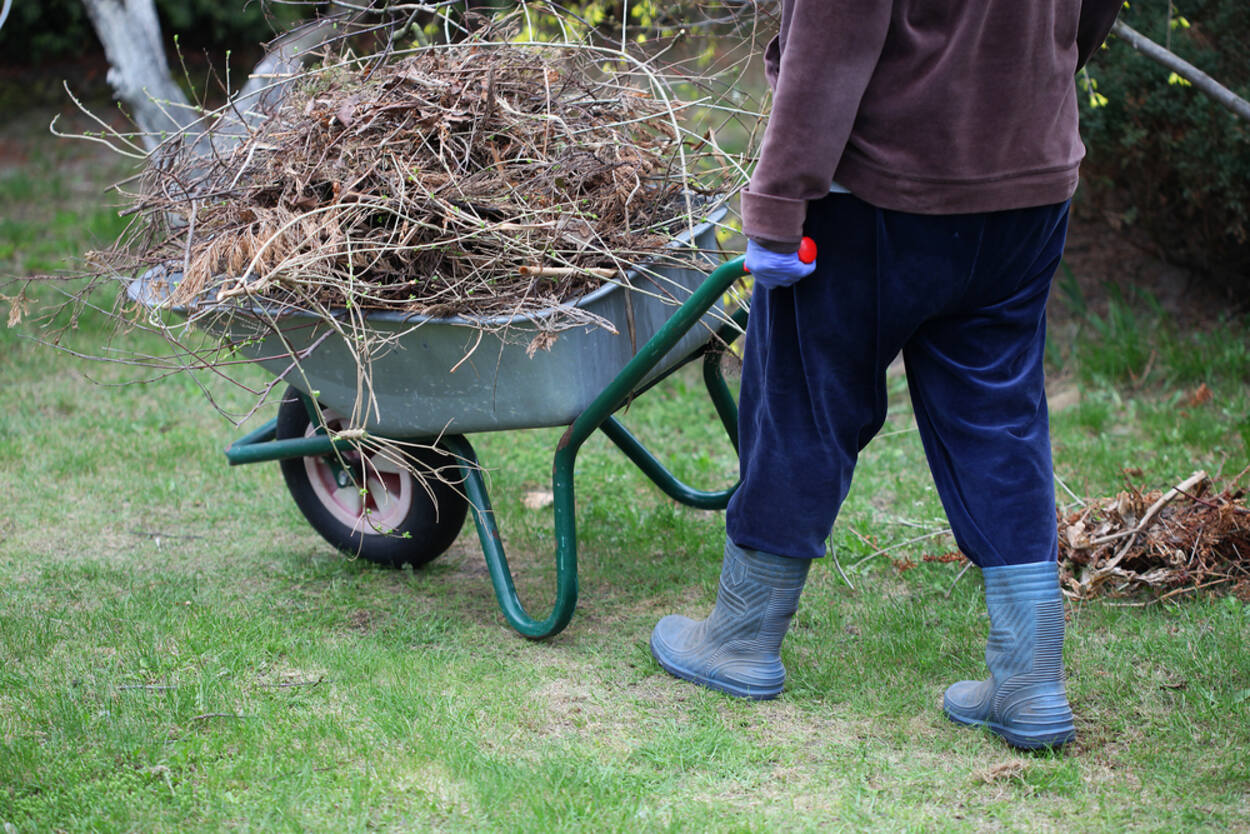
column 772, row 270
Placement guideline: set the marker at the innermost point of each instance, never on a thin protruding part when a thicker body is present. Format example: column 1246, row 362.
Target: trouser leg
column 813, row 387
column 977, row 384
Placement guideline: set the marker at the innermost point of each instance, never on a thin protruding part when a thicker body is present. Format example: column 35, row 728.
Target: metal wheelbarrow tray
column 425, row 388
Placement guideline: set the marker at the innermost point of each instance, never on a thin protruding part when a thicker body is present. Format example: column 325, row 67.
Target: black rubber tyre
column 382, row 513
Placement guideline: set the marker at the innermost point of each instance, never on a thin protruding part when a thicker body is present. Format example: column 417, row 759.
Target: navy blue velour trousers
column 964, row 298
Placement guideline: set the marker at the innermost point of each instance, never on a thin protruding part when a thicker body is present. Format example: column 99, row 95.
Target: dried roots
column 1192, row 536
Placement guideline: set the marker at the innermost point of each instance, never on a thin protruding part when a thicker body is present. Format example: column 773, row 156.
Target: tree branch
column 1203, row 82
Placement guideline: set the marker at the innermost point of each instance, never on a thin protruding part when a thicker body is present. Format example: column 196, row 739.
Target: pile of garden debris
column 1196, row 535
column 478, row 179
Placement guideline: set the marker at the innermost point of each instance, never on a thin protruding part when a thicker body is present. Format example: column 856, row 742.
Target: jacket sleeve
column 1097, row 17
column 829, row 55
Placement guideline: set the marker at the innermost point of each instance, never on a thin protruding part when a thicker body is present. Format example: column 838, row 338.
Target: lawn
column 179, row 651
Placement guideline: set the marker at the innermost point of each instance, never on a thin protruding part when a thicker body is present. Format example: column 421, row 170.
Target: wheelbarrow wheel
column 369, row 504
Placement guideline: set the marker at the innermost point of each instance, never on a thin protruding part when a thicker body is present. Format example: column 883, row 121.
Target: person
column 930, row 149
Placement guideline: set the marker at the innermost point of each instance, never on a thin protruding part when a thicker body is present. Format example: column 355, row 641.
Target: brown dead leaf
column 537, row 499
column 1001, row 772
column 1076, row 534
column 1201, row 395
column 945, row 558
column 542, row 341
column 346, row 112
column 17, row 307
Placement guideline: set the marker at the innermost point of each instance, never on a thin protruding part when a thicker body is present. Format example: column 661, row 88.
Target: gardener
column 947, row 133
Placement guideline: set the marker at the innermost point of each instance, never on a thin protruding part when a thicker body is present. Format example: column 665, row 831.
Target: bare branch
column 1203, row 82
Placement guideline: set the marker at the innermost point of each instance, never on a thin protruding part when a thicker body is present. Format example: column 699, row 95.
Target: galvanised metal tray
column 452, row 376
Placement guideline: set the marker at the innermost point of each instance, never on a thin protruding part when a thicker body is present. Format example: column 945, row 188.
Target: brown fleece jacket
column 925, row 106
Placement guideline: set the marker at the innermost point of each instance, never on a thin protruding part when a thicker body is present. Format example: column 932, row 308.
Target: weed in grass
column 1125, row 346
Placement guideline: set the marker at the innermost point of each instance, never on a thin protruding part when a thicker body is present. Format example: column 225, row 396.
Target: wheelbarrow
column 428, row 397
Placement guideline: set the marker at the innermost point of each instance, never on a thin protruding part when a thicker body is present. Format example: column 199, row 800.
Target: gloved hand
column 772, row 270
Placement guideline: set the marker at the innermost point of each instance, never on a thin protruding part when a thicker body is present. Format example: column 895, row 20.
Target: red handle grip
column 807, row 252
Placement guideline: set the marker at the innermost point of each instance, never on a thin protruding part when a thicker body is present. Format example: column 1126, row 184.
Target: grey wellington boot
column 737, row 648
column 1024, row 699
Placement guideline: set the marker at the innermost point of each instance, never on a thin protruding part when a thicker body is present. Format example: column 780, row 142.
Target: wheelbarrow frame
column 262, row 445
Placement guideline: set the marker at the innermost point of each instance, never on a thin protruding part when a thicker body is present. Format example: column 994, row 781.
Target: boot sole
column 750, row 692
column 1023, row 741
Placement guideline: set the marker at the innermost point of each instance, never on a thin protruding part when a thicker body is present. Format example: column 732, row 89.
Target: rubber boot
column 737, row 648
column 1024, row 699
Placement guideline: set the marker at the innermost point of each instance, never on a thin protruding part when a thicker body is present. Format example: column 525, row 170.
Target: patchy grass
column 179, row 651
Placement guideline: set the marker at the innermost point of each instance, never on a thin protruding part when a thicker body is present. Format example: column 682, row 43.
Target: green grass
column 180, row 652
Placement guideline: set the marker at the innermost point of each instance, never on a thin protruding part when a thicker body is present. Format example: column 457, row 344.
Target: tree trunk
column 140, row 77
column 138, row 70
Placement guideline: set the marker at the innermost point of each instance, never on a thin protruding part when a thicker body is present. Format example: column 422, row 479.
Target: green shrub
column 43, row 31
column 1165, row 157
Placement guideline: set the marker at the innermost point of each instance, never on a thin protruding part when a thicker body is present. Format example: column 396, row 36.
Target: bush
column 39, row 32
column 1166, row 158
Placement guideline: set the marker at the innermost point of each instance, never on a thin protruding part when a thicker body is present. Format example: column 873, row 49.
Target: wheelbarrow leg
column 596, row 415
column 714, row 379
column 497, row 561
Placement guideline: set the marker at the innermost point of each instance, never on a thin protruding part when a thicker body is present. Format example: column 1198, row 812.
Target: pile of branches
column 478, row 179
column 1193, row 536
